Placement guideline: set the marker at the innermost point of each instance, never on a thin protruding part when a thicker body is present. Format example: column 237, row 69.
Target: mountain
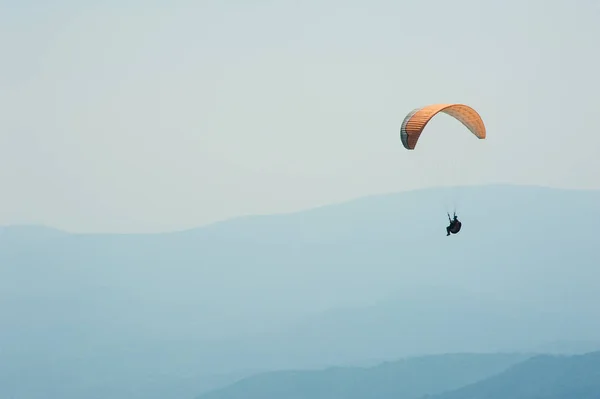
column 456, row 376
column 424, row 320
column 367, row 280
column 568, row 347
column 541, row 377
column 406, row 379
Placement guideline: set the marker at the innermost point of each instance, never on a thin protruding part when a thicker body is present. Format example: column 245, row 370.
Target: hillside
column 541, row 377
column 458, row 376
column 370, row 279
column 406, row 379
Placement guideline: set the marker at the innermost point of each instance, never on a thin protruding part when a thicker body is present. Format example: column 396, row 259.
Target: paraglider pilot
column 454, row 226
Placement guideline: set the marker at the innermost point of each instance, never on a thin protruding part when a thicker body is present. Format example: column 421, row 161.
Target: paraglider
column 414, row 123
column 455, row 225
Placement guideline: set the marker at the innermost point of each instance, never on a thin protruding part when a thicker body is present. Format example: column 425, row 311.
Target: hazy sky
column 131, row 116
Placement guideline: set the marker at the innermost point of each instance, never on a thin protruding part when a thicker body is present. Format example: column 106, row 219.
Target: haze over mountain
column 404, row 379
column 352, row 283
column 542, row 377
column 457, row 376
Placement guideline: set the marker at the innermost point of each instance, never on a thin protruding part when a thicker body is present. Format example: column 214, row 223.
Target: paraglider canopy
column 416, row 120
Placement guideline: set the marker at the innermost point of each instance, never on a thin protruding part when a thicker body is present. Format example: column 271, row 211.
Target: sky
column 147, row 116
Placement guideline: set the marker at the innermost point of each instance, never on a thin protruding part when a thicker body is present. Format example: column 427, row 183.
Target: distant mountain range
column 459, row 376
column 542, row 377
column 405, row 379
column 348, row 284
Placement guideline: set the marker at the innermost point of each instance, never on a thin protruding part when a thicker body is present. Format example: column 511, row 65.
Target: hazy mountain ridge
column 455, row 376
column 541, row 377
column 405, row 379
column 201, row 301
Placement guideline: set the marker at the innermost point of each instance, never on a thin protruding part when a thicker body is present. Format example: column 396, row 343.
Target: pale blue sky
column 135, row 116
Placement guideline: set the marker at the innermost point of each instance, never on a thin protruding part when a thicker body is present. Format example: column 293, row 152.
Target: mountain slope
column 406, row 379
column 542, row 377
column 240, row 295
